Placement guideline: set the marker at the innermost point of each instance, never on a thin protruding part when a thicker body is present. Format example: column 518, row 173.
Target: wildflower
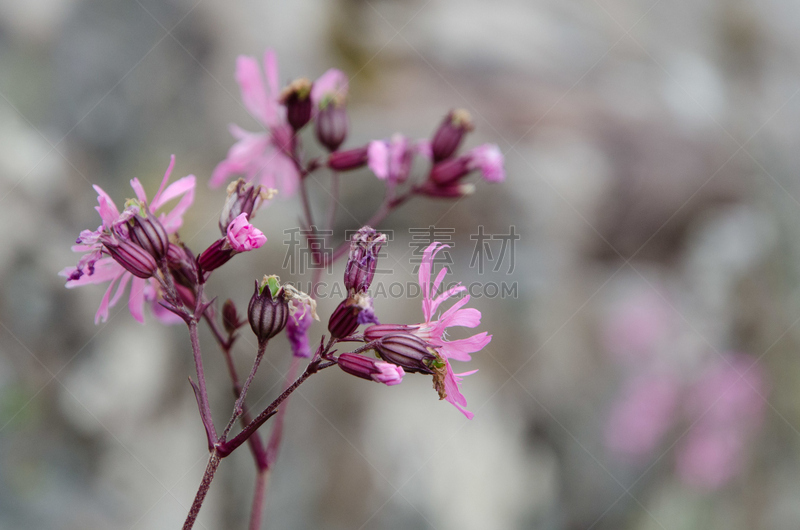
column 241, row 236
column 260, row 156
column 98, row 264
column 370, row 369
column 349, row 314
column 487, row 159
column 329, row 96
column 391, row 160
column 729, row 407
column 300, row 319
column 433, row 330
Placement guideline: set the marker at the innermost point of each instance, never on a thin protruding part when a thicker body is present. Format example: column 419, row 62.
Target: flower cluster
column 139, row 245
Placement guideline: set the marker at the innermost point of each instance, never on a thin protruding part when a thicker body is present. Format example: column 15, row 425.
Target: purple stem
column 205, row 408
column 258, row 499
column 227, row 447
column 205, row 485
column 238, row 409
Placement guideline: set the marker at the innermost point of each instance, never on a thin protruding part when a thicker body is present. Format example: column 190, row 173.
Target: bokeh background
column 645, row 375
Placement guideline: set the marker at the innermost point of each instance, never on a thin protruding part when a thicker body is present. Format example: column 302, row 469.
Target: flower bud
column 149, row 234
column 377, row 331
column 452, row 191
column 134, row 258
column 344, row 320
column 360, row 269
column 449, row 171
column 242, row 198
column 348, row 315
column 347, row 160
column 451, row 132
column 230, row 318
column 242, row 236
column 331, row 125
column 215, row 256
column 297, row 98
column 371, row 369
column 268, row 309
column 406, row 350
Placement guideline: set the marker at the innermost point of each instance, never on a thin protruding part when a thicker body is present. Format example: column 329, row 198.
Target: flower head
column 260, row 156
column 433, row 331
column 487, row 159
column 98, row 264
column 242, row 236
column 391, row 159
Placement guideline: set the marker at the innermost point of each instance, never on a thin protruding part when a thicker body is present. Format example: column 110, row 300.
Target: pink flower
column 389, row 374
column 391, row 160
column 242, row 236
column 728, row 404
column 300, row 319
column 643, row 415
column 488, row 159
column 95, row 267
column 260, row 156
column 332, row 86
column 433, row 329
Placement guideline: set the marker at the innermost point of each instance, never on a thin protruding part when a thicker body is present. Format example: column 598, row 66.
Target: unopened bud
column 348, row 315
column 230, row 318
column 450, row 171
column 377, row 331
column 350, row 159
column 370, row 369
column 360, row 269
column 149, row 233
column 297, row 98
column 331, row 125
column 450, row 133
column 216, row 255
column 268, row 309
column 134, row 258
column 452, row 191
column 406, row 350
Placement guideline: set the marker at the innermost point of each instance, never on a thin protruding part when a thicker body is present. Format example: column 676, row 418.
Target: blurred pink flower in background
column 637, row 326
column 260, row 156
column 727, row 406
column 644, row 413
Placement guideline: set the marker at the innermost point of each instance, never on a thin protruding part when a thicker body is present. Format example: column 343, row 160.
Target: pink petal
column 332, row 83
column 104, row 270
column 378, row 158
column 139, row 189
column 167, row 173
column 102, row 311
column 251, row 84
column 460, row 350
column 271, row 69
column 451, row 386
column 136, row 300
column 434, row 305
column 180, row 187
column 107, row 209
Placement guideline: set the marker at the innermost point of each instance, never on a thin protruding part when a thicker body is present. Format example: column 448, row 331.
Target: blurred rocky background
column 643, row 377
